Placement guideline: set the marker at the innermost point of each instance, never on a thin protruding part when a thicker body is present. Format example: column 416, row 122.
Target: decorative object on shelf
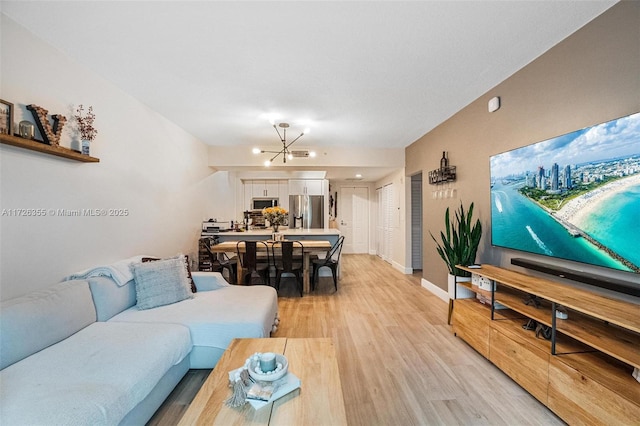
column 445, row 173
column 286, row 153
column 460, row 243
column 275, row 215
column 85, row 127
column 50, row 134
column 6, row 117
column 483, row 283
column 26, row 130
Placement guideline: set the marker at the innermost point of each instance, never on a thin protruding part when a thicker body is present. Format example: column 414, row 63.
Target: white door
column 353, row 218
column 379, row 222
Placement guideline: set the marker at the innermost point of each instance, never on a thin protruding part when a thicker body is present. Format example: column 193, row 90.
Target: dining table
column 309, row 247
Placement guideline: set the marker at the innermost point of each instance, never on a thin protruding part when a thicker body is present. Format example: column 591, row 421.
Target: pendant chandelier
column 286, row 153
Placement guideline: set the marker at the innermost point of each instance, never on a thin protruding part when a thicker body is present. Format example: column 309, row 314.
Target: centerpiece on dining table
column 275, row 215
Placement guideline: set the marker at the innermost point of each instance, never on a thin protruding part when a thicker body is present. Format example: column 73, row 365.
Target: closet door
column 385, row 219
column 353, row 215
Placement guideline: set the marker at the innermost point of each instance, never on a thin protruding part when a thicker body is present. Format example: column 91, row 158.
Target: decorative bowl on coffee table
column 254, row 361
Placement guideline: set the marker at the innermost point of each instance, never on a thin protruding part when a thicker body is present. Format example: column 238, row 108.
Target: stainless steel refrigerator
column 306, row 211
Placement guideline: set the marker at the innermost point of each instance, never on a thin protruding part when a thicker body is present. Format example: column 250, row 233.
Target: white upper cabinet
column 306, row 187
column 283, row 190
column 264, row 188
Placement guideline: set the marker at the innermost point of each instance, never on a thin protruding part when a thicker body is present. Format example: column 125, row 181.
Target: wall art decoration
column 50, row 134
column 6, row 117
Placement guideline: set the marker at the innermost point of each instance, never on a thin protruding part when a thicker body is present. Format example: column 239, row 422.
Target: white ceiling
column 361, row 74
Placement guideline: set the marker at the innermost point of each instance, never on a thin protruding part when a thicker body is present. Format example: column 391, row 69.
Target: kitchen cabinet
column 306, row 187
column 265, row 188
column 283, row 190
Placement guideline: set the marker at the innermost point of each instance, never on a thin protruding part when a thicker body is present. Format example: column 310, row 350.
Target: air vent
column 300, row 154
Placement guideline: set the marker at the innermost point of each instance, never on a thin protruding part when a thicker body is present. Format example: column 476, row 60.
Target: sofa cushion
column 94, row 377
column 39, row 319
column 161, row 283
column 218, row 316
column 110, row 298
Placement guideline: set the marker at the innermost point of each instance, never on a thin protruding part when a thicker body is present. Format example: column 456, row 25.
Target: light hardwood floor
column 399, row 362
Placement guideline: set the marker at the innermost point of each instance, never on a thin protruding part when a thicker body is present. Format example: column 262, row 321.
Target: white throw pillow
column 161, row 282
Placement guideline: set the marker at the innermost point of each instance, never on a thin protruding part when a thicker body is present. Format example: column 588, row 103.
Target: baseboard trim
column 403, row 269
column 437, row 291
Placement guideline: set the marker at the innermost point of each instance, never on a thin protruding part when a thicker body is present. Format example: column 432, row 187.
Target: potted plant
column 85, row 127
column 459, row 245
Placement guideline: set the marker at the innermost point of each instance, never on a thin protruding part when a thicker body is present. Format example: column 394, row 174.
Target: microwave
column 263, row 203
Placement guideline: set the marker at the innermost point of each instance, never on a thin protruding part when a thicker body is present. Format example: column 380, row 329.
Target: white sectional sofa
column 80, row 352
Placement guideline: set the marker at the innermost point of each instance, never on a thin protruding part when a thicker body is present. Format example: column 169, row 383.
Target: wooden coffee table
column 318, row 401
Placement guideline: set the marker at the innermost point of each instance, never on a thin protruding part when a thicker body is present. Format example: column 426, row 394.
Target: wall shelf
column 47, row 149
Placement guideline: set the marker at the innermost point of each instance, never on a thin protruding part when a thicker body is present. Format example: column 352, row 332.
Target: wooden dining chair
column 288, row 257
column 218, row 264
column 251, row 263
column 331, row 260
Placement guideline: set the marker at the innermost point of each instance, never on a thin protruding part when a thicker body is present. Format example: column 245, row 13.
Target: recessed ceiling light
column 358, row 175
column 312, row 153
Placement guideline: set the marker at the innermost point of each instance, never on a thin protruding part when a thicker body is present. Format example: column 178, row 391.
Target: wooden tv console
column 583, row 374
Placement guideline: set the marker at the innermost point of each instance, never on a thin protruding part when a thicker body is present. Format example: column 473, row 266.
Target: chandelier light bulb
column 267, row 163
column 290, row 156
column 312, row 154
column 307, row 131
column 256, row 150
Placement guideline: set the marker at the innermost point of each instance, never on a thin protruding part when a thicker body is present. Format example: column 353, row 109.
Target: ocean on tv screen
column 574, row 197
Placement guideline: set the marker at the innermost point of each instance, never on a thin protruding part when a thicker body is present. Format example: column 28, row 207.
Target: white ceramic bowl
column 280, row 359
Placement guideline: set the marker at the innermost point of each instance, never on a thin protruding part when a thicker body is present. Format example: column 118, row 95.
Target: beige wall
column 591, row 77
column 148, row 166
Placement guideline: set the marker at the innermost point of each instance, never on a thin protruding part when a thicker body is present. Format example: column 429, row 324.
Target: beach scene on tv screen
column 574, row 197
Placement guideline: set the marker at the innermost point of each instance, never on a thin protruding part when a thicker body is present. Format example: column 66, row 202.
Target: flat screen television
column 574, row 197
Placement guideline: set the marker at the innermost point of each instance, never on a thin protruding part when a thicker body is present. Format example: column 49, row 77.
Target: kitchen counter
column 284, row 231
column 328, row 234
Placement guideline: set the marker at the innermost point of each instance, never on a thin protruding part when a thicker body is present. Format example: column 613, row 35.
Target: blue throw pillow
column 161, row 283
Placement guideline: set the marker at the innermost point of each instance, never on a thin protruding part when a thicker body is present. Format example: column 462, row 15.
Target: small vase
column 275, row 227
column 85, row 147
